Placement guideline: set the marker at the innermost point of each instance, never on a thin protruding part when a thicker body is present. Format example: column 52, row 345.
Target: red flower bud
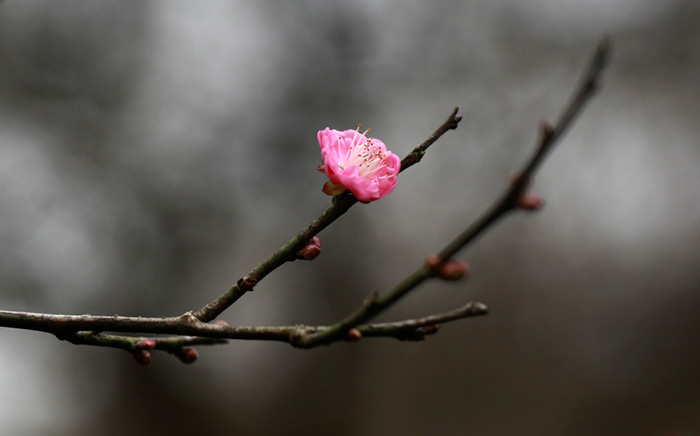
column 353, row 335
column 311, row 250
column 146, row 344
column 453, row 269
column 187, row 355
column 530, row 202
column 142, row 357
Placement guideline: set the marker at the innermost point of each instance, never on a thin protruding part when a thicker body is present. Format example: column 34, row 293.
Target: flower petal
column 354, row 162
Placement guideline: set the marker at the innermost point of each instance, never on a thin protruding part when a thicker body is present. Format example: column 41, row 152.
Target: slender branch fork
column 196, row 327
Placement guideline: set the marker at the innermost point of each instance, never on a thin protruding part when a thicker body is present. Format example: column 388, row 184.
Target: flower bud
column 353, row 335
column 530, row 202
column 311, row 250
column 221, row 322
column 247, row 283
column 142, row 357
column 433, row 262
column 146, row 344
column 187, row 355
column 453, row 269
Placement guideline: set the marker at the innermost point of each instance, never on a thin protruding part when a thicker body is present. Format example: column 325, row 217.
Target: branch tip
column 455, row 119
column 476, row 308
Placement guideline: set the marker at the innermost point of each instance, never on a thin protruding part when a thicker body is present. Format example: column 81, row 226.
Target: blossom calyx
column 354, row 162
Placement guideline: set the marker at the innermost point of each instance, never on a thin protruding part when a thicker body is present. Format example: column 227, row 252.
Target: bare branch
column 548, row 138
column 416, row 329
column 88, row 329
column 417, row 153
column 132, row 343
column 287, row 252
column 193, row 328
column 508, row 202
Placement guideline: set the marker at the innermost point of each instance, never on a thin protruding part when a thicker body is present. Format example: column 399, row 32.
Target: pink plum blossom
column 359, row 164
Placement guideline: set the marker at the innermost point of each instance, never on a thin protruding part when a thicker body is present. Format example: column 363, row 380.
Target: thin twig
column 88, row 330
column 416, row 329
column 548, row 138
column 287, row 252
column 131, row 343
column 65, row 325
column 376, row 303
column 417, row 153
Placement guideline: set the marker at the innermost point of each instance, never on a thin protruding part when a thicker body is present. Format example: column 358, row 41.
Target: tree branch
column 416, row 329
column 376, row 303
column 87, row 329
column 194, row 328
column 133, row 343
column 287, row 252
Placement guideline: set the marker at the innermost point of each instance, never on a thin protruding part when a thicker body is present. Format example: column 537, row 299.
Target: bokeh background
column 153, row 152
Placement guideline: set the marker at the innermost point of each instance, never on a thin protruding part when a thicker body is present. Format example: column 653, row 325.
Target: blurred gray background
column 153, row 152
